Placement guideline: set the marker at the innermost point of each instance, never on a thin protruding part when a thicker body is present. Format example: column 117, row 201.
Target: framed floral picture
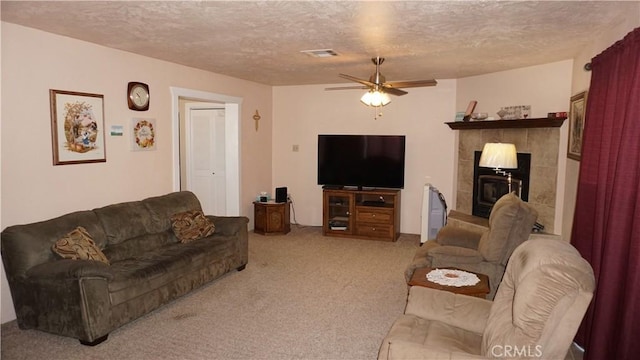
column 143, row 134
column 577, row 113
column 77, row 127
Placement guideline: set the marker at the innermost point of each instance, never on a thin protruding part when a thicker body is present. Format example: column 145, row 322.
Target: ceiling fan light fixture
column 379, row 88
column 375, row 98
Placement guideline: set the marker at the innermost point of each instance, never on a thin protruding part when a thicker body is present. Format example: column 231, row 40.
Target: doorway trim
column 232, row 137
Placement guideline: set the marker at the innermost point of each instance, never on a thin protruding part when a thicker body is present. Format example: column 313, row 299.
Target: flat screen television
column 374, row 161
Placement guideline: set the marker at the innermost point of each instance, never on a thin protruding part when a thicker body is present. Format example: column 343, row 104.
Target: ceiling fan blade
column 393, row 91
column 361, row 81
column 414, row 83
column 347, row 88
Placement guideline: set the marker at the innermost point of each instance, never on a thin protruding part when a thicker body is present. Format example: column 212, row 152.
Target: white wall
column 300, row 113
column 544, row 87
column 33, row 189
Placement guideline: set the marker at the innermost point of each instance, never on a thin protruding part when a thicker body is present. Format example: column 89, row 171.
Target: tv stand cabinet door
column 337, row 212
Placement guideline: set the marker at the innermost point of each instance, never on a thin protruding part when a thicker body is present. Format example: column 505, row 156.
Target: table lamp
column 499, row 156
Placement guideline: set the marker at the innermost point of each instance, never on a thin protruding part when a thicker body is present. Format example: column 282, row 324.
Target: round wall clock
column 138, row 96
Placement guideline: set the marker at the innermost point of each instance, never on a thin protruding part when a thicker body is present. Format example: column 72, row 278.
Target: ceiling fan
column 379, row 87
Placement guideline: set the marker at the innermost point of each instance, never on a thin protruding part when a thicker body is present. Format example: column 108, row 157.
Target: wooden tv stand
column 363, row 214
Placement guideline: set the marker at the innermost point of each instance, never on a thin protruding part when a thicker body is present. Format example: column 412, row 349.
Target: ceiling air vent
column 320, row 53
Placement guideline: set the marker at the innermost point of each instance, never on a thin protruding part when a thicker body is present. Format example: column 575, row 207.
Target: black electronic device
column 281, row 194
column 375, row 161
column 537, row 227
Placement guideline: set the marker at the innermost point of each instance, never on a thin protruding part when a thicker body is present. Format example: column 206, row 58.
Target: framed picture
column 577, row 112
column 143, row 134
column 77, row 127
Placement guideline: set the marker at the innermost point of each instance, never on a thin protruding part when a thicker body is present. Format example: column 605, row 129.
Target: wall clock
column 138, row 96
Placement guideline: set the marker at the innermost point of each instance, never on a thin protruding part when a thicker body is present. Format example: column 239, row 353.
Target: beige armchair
column 510, row 224
column 539, row 305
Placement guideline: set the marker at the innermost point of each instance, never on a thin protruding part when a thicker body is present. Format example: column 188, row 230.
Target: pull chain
column 376, row 113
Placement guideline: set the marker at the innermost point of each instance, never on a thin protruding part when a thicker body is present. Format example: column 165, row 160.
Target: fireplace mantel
column 507, row 124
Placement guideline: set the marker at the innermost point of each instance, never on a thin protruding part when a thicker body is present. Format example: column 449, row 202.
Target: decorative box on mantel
column 507, row 124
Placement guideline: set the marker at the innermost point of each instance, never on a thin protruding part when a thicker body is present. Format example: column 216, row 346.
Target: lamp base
column 509, row 179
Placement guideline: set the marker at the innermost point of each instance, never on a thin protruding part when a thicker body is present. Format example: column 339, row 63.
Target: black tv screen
column 361, row 160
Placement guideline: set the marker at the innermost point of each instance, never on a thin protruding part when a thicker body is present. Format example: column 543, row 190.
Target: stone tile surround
column 541, row 143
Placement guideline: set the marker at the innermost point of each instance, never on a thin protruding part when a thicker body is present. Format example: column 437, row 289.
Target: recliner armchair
column 510, row 224
column 536, row 312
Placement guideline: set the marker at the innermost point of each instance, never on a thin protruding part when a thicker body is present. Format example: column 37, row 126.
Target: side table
column 271, row 218
column 480, row 289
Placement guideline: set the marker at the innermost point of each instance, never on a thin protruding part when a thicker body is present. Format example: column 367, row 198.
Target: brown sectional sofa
column 148, row 267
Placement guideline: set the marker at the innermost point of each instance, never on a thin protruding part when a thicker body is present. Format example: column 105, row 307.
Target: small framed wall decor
column 577, row 113
column 116, row 130
column 143, row 134
column 77, row 127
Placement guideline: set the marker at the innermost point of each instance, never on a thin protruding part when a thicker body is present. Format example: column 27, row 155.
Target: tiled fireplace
column 543, row 145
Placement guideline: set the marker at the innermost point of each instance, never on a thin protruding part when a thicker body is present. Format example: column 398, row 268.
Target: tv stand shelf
column 364, row 214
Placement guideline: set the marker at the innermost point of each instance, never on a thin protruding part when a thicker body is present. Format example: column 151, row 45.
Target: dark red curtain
column 606, row 228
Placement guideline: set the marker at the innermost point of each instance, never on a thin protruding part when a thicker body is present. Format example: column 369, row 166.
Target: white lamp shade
column 375, row 98
column 366, row 98
column 499, row 156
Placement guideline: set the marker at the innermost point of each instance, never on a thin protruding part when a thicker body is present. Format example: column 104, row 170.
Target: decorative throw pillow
column 78, row 245
column 191, row 225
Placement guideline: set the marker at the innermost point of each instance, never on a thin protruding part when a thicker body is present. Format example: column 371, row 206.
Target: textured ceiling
column 261, row 40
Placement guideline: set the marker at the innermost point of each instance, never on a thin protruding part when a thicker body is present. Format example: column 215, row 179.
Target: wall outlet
column 296, row 148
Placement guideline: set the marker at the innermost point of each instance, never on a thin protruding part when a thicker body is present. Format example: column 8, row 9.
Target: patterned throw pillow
column 191, row 225
column 78, row 245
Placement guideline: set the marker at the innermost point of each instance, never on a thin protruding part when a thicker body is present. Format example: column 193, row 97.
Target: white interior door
column 205, row 157
column 232, row 108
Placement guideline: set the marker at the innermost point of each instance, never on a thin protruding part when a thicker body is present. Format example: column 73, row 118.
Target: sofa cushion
column 432, row 339
column 78, row 245
column 136, row 276
column 139, row 245
column 191, row 225
column 161, row 208
column 124, row 221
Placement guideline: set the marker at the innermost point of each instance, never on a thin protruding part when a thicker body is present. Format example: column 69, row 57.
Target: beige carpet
column 302, row 296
